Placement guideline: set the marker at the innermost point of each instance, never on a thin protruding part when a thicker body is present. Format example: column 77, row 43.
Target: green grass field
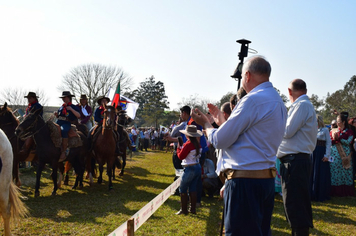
column 96, row 211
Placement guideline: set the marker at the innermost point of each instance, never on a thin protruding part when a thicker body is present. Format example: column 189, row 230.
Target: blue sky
column 188, row 45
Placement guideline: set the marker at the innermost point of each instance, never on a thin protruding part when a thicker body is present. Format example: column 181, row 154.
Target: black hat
column 66, row 94
column 101, row 98
column 31, row 94
column 83, row 96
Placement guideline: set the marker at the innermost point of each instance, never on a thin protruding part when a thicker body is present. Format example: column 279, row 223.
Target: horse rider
column 33, row 103
column 98, row 118
column 85, row 111
column 66, row 114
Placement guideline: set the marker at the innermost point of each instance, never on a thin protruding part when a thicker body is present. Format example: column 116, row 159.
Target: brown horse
column 105, row 145
column 124, row 142
column 8, row 123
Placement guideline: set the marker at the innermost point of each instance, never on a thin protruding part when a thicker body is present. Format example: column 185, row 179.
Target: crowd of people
column 262, row 148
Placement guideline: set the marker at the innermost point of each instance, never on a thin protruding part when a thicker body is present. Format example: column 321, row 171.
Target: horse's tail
column 18, row 208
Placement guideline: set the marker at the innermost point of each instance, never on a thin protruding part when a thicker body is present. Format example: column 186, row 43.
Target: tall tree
column 151, row 96
column 225, row 98
column 94, row 80
column 317, row 102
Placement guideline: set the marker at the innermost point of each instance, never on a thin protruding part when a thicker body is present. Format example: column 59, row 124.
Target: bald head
column 297, row 88
column 256, row 70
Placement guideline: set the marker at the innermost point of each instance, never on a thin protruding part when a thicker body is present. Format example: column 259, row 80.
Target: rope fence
column 129, row 227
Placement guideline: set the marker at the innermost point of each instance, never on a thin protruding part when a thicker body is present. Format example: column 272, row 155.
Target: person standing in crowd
column 189, row 154
column 66, row 114
column 294, row 152
column 134, row 134
column 321, row 178
column 333, row 124
column 85, row 111
column 142, row 138
column 147, row 139
column 249, row 152
column 341, row 168
column 352, row 124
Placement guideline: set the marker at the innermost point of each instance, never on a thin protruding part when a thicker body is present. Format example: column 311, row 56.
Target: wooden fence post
column 131, row 227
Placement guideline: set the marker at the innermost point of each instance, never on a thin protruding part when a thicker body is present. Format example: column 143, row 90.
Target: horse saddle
column 56, row 136
column 97, row 130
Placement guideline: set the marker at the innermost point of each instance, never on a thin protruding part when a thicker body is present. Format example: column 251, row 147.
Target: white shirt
column 324, row 135
column 301, row 128
column 250, row 137
column 133, row 132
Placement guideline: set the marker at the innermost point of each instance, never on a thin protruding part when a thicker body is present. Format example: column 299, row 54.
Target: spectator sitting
column 209, row 178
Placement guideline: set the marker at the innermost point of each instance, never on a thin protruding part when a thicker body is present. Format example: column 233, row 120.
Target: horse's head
column 122, row 118
column 109, row 117
column 7, row 118
column 29, row 125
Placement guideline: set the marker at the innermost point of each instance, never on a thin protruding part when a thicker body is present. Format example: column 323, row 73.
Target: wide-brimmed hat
column 83, row 96
column 191, row 131
column 31, row 95
column 101, row 98
column 66, row 94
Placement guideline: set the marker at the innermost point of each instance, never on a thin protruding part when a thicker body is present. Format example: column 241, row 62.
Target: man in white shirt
column 298, row 143
column 249, row 140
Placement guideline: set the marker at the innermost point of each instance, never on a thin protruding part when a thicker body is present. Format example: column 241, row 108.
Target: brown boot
column 193, row 202
column 64, row 148
column 183, row 204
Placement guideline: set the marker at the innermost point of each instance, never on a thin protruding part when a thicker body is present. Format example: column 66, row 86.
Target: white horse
column 11, row 207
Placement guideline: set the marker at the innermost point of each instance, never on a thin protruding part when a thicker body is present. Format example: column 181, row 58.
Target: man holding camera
column 249, row 140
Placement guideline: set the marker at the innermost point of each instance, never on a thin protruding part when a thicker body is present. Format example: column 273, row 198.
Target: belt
column 321, row 143
column 251, row 174
column 291, row 157
column 62, row 118
column 190, row 165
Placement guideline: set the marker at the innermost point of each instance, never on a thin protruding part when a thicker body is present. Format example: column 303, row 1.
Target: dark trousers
column 295, row 171
column 248, row 206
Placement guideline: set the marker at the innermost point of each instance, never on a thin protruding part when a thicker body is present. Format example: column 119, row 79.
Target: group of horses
column 82, row 158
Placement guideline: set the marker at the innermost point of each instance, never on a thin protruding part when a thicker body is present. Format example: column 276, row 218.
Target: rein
column 28, row 129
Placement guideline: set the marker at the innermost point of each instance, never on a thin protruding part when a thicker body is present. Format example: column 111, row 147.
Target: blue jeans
column 65, row 127
column 248, row 206
column 190, row 178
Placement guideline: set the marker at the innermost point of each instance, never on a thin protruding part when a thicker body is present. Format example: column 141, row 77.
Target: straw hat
column 191, row 131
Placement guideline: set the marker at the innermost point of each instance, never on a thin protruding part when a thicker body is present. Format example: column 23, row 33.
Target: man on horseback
column 32, row 104
column 98, row 118
column 66, row 114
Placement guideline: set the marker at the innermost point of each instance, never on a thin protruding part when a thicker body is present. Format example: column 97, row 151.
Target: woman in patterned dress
column 341, row 168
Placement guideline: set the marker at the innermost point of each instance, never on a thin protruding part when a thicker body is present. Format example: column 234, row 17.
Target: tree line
column 95, row 80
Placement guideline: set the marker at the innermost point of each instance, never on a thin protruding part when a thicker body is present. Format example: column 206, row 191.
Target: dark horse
column 124, row 142
column 8, row 123
column 35, row 126
column 105, row 145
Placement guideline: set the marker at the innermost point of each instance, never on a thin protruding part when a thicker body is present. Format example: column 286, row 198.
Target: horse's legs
column 6, row 218
column 38, row 178
column 113, row 172
column 123, row 163
column 15, row 169
column 100, row 178
column 110, row 165
column 61, row 171
column 54, row 177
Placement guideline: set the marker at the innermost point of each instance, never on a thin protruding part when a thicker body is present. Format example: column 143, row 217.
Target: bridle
column 27, row 133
